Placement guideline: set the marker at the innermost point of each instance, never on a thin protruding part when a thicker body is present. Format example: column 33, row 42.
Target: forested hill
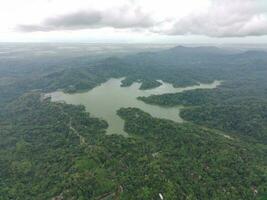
column 180, row 66
column 52, row 150
column 58, row 151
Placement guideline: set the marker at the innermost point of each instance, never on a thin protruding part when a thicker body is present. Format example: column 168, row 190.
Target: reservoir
column 104, row 100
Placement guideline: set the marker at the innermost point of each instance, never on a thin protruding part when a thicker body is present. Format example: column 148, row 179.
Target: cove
column 104, row 100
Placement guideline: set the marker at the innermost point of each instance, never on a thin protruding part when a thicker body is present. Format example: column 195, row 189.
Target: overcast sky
column 166, row 21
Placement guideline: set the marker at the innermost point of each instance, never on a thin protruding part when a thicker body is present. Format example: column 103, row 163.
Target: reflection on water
column 103, row 101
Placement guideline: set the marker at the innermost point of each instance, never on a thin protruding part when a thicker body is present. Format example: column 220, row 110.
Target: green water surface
column 104, row 100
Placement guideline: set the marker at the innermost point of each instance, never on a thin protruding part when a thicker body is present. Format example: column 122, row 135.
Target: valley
column 63, row 123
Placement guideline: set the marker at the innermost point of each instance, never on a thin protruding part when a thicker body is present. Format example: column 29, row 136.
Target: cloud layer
column 124, row 17
column 227, row 18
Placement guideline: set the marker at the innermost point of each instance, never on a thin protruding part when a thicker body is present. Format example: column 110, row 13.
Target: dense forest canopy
column 52, row 150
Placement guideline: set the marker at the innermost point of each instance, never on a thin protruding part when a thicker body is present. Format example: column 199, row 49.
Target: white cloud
column 227, row 18
column 167, row 19
column 123, row 17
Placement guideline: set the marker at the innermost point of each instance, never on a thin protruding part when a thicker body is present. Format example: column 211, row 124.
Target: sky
column 134, row 21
